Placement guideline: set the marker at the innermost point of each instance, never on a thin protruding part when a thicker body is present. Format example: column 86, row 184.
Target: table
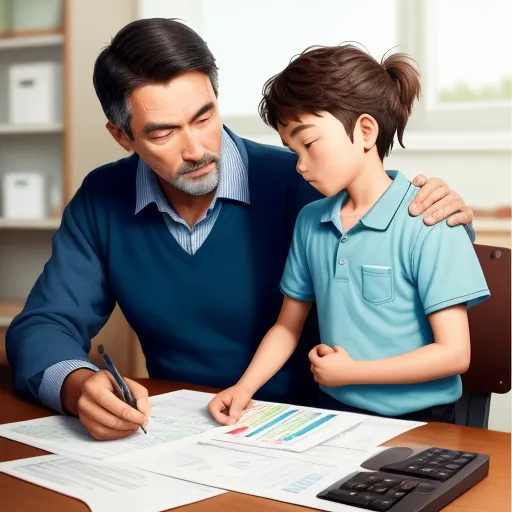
column 492, row 494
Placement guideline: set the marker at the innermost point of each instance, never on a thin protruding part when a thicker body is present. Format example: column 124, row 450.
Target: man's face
column 177, row 131
column 328, row 159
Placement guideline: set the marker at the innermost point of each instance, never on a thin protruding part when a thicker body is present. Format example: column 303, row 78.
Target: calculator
column 406, row 479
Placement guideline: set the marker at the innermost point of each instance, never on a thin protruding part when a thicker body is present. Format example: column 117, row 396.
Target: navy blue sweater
column 199, row 317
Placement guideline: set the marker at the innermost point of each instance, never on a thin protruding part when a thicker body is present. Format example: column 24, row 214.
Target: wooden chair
column 489, row 324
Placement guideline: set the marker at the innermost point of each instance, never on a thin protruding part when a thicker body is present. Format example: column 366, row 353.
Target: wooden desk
column 493, row 494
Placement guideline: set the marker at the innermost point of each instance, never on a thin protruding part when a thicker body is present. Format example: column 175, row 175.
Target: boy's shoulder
column 413, row 227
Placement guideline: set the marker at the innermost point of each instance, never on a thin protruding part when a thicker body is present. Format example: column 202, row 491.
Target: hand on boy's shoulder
column 436, row 202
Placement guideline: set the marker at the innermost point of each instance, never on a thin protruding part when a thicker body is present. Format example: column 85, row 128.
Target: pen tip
column 100, row 349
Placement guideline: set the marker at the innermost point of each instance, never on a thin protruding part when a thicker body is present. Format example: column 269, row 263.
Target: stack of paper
column 105, row 489
column 276, row 451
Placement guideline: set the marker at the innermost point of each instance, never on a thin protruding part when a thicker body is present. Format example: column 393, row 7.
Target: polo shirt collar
column 382, row 212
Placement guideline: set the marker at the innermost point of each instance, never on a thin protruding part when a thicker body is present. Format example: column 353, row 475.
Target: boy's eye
column 307, row 145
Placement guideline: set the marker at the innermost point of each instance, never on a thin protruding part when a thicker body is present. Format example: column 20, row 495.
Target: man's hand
column 227, row 406
column 91, row 396
column 437, row 202
column 331, row 369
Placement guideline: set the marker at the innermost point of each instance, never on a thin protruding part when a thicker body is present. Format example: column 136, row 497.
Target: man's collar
column 233, row 179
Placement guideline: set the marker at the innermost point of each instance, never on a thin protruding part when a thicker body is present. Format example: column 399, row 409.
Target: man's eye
column 160, row 135
column 202, row 121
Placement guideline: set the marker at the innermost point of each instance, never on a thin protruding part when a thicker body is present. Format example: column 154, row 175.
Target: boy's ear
column 369, row 130
column 120, row 136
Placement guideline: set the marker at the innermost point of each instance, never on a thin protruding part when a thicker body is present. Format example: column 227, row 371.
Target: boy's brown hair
column 346, row 82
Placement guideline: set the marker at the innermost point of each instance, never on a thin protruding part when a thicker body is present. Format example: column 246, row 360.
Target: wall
column 92, row 25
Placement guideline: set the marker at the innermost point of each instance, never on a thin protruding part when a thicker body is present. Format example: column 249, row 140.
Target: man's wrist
column 71, row 389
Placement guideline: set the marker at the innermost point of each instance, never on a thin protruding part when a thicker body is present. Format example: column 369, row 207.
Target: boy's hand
column 322, row 350
column 332, row 369
column 227, row 406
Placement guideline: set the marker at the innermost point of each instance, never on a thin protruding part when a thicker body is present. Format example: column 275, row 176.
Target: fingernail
column 451, row 222
column 430, row 218
column 414, row 207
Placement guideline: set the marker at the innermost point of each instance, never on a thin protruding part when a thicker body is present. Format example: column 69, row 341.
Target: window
column 252, row 41
column 462, row 48
column 469, row 53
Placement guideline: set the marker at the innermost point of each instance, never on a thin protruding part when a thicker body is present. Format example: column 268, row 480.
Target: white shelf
column 9, row 43
column 50, row 224
column 12, row 129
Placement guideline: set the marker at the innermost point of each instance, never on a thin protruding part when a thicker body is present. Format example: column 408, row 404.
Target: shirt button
column 344, row 239
column 342, row 262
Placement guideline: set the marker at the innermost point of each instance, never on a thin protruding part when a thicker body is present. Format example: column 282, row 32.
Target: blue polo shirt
column 376, row 284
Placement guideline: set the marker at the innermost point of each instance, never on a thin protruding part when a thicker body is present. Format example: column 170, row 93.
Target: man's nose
column 192, row 149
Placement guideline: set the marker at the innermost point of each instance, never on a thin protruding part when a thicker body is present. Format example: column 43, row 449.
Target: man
column 189, row 235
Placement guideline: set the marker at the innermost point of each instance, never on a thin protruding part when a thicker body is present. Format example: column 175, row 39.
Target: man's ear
column 369, row 130
column 120, row 136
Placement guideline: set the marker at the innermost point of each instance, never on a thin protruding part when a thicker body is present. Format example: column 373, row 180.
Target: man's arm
column 68, row 305
column 448, row 355
column 52, row 384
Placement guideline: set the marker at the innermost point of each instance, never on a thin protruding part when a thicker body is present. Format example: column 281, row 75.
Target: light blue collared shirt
column 375, row 285
column 233, row 185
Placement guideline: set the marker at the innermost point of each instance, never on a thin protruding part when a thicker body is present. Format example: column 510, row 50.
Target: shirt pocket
column 378, row 284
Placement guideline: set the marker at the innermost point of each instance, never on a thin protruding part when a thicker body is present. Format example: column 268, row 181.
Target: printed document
column 108, row 488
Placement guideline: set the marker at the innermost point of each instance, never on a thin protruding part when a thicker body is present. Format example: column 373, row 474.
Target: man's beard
column 200, row 186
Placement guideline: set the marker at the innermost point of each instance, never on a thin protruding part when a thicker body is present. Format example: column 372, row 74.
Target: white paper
column 371, row 432
column 105, row 489
column 321, row 454
column 286, row 427
column 280, row 475
column 284, row 476
column 175, row 417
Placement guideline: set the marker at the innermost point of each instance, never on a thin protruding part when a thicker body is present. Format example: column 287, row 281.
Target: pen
column 124, row 390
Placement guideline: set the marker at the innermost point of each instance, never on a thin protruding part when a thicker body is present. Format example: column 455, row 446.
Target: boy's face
column 328, row 159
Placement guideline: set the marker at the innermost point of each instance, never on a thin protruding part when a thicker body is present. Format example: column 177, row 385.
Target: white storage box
column 35, row 93
column 24, row 195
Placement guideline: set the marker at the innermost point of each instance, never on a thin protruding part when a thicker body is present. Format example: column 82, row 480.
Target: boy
column 394, row 321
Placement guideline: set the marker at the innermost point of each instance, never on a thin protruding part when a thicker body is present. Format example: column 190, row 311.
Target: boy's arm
column 277, row 346
column 448, row 355
column 275, row 349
